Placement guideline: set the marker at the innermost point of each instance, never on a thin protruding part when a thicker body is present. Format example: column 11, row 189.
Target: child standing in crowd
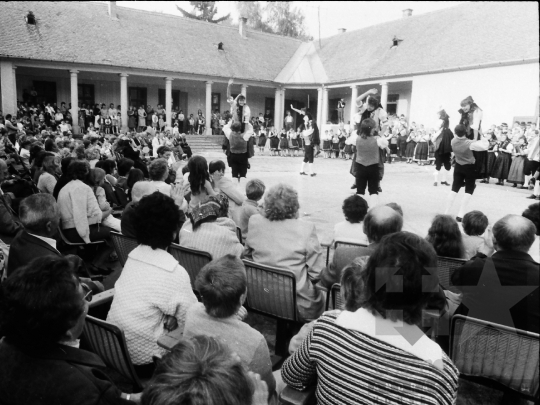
column 155, row 120
column 191, row 124
column 516, row 175
column 335, row 144
column 327, row 144
column 274, row 142
column 342, row 138
column 161, row 123
column 293, row 142
column 289, row 121
column 502, row 164
column 422, row 148
column 115, row 125
column 262, row 139
column 350, row 144
column 283, row 143
column 108, row 125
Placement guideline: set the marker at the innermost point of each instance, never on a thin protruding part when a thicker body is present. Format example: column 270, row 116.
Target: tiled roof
column 463, row 35
column 82, row 32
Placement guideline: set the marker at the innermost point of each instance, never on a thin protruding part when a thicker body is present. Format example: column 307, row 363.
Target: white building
column 98, row 53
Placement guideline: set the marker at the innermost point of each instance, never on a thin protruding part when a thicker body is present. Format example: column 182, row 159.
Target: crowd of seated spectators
column 45, row 295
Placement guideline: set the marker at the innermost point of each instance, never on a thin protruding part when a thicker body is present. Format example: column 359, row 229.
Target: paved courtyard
column 409, row 185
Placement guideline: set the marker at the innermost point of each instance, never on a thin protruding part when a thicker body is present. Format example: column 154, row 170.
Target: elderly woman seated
column 210, row 229
column 42, row 315
column 202, row 370
column 79, row 209
column 280, row 239
column 223, row 287
column 225, row 186
column 153, row 292
column 384, row 322
column 159, row 172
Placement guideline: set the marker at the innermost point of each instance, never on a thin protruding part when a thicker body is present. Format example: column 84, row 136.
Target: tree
column 203, row 11
column 285, row 20
column 277, row 17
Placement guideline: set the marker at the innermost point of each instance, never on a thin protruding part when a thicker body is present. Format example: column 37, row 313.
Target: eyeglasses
column 87, row 291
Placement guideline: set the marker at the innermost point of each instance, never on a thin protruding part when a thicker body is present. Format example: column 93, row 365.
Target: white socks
column 436, row 176
column 536, row 190
column 242, row 185
column 444, row 175
column 303, row 167
column 463, row 206
column 310, row 165
column 451, row 198
column 526, row 181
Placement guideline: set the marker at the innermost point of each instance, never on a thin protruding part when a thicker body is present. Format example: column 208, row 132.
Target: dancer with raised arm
column 310, row 135
column 239, row 136
column 442, row 141
column 370, row 108
column 465, row 171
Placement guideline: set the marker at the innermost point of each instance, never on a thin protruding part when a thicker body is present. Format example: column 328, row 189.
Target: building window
column 391, row 103
column 216, row 102
column 137, row 96
column 175, row 98
column 86, row 94
column 46, row 92
column 269, row 106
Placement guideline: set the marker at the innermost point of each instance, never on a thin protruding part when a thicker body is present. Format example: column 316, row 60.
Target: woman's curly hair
column 281, row 203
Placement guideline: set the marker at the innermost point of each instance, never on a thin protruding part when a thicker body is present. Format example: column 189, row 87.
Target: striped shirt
column 354, row 368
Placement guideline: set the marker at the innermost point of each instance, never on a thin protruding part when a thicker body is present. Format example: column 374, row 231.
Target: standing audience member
column 153, row 292
column 254, row 192
column 485, row 281
column 42, row 315
column 445, row 236
column 335, row 350
column 223, row 287
column 201, row 370
column 279, row 239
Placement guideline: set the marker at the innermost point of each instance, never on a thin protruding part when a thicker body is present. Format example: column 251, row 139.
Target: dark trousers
column 308, row 154
column 442, row 159
column 239, row 164
column 367, row 176
column 464, row 175
column 97, row 232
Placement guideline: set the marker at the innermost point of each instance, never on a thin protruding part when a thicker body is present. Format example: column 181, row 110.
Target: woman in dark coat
column 443, row 149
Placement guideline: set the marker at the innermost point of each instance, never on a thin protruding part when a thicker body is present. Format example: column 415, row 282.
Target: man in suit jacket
column 9, row 223
column 503, row 288
column 379, row 221
column 40, row 217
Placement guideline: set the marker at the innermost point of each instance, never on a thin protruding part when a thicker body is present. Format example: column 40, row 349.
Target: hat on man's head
column 213, row 208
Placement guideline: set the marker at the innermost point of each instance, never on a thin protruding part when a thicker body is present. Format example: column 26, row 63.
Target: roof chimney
column 242, row 28
column 112, row 10
column 407, row 13
column 342, row 30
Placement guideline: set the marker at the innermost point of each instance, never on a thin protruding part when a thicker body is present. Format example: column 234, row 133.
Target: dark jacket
column 9, row 223
column 491, row 295
column 24, row 248
column 60, row 375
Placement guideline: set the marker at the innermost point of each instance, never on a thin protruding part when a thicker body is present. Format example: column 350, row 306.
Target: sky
column 351, row 15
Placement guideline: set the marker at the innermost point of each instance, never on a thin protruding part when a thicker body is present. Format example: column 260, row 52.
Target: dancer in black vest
column 443, row 148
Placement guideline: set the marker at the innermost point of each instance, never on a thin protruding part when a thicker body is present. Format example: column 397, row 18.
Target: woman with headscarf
column 442, row 140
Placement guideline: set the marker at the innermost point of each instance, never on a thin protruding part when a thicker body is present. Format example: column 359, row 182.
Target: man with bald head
column 495, row 297
column 141, row 189
column 379, row 222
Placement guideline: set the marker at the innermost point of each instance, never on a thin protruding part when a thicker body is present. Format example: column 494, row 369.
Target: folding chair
column 497, row 353
column 272, row 292
column 333, row 298
column 341, row 243
column 445, row 268
column 123, row 245
column 108, row 342
column 291, row 396
column 101, row 303
column 77, row 244
column 190, row 259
